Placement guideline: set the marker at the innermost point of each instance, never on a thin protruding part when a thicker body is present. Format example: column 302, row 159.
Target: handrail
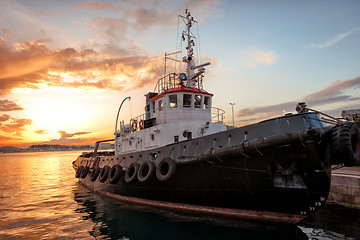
column 172, row 81
column 167, row 82
column 218, row 114
column 138, row 119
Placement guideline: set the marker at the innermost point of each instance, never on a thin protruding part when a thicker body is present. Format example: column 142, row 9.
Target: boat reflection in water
column 117, row 220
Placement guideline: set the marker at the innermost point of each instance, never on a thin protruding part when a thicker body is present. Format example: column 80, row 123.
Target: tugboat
column 179, row 154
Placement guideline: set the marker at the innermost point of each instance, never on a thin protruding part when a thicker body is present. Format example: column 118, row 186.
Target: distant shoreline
column 10, row 149
column 53, row 148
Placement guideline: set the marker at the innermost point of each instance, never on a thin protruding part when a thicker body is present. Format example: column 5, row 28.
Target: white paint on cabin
column 180, row 114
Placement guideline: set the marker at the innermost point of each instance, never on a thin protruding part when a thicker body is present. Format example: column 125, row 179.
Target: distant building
column 105, row 146
column 351, row 115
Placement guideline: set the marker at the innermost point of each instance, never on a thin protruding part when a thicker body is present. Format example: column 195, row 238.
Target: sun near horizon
column 66, row 66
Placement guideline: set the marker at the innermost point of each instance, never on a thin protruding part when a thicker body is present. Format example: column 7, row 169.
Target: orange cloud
column 318, row 100
column 42, row 132
column 154, row 13
column 255, row 56
column 7, row 105
column 4, row 140
column 33, row 63
column 4, row 118
column 335, row 88
column 68, row 138
column 94, row 6
column 15, row 125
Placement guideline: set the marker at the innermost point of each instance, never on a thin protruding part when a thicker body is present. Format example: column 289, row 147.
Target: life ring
column 134, row 125
column 115, row 174
column 345, row 141
column 104, row 173
column 78, row 171
column 166, row 169
column 141, row 124
column 146, row 171
column 95, row 173
column 131, row 172
column 84, row 172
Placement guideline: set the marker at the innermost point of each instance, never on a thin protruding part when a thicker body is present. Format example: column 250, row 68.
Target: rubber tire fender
column 131, row 172
column 146, row 171
column 78, row 171
column 166, row 169
column 345, row 141
column 95, row 173
column 85, row 172
column 104, row 173
column 115, row 174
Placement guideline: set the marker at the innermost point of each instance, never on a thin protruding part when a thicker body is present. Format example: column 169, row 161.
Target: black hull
column 283, row 178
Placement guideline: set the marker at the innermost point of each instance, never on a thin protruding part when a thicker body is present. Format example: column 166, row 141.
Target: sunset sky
column 65, row 66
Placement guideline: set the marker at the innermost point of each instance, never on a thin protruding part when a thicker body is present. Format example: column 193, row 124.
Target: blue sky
column 81, row 57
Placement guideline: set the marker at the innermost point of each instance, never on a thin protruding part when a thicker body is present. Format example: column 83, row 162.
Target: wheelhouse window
column 197, row 101
column 187, row 100
column 206, row 102
column 173, row 101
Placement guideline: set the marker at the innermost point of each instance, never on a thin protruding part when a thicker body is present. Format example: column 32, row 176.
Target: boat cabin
column 178, row 105
column 173, row 113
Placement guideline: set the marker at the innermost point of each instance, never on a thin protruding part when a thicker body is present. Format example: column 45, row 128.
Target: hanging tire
column 115, row 174
column 95, row 173
column 166, row 169
column 104, row 173
column 345, row 143
column 146, row 171
column 131, row 172
column 78, row 171
column 85, row 171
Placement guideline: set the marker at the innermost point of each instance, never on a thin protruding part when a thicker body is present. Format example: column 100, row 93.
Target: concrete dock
column 345, row 187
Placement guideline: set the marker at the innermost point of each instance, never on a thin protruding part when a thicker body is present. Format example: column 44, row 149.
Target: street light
column 232, row 107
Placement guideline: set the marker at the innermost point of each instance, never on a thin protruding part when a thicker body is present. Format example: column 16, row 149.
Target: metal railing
column 137, row 123
column 217, row 115
column 172, row 80
column 168, row 82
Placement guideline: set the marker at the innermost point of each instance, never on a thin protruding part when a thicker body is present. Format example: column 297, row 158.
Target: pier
column 345, row 187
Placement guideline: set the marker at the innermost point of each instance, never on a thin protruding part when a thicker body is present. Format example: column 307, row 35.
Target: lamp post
column 232, row 108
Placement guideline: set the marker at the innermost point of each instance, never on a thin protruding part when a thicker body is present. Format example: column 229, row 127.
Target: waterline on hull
column 208, row 210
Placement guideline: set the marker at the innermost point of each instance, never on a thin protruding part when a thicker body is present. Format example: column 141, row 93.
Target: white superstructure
column 179, row 108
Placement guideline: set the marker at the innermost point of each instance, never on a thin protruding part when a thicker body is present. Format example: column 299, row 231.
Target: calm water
column 41, row 199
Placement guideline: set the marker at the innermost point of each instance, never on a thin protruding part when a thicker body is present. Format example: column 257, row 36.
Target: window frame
column 176, row 101
column 189, row 97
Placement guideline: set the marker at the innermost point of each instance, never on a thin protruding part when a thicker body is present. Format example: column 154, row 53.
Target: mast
column 192, row 77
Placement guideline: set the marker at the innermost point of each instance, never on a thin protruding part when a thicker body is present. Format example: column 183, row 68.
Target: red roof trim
column 180, row 89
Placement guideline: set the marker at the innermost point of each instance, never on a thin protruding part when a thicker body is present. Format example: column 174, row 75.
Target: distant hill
column 9, row 149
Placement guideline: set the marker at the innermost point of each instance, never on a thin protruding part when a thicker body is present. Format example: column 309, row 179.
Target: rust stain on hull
column 217, row 211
